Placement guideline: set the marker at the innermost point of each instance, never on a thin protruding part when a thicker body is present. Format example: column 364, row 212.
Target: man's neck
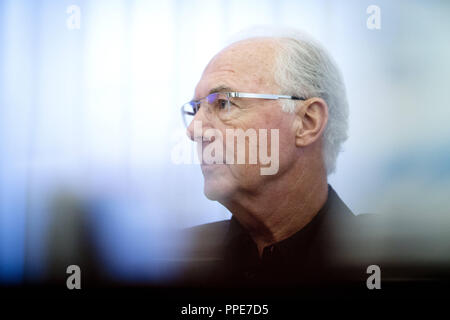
column 268, row 221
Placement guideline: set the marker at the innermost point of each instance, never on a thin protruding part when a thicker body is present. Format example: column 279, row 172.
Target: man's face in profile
column 245, row 66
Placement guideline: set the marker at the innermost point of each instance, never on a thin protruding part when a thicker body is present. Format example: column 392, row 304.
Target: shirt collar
column 239, row 244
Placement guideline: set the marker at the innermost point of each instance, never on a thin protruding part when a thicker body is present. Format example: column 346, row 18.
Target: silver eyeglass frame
column 261, row 96
column 235, row 94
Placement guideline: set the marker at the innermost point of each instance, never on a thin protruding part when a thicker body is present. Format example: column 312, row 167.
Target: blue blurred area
column 89, row 118
column 433, row 163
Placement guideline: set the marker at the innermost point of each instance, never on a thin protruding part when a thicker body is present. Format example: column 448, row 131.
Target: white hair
column 304, row 68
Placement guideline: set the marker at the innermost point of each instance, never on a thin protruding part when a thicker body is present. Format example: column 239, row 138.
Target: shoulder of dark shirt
column 210, row 229
column 206, row 241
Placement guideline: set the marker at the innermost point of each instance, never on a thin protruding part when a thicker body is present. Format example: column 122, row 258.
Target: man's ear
column 312, row 118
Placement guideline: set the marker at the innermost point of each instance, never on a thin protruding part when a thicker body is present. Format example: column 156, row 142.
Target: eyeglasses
column 220, row 104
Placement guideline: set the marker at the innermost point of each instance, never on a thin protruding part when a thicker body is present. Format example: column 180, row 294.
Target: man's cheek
column 245, row 174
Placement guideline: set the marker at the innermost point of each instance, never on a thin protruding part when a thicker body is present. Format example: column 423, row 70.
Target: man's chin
column 213, row 193
column 216, row 192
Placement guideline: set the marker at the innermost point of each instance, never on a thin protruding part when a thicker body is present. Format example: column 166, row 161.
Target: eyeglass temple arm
column 262, row 96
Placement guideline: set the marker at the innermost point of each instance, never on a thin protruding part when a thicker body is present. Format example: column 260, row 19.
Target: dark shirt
column 225, row 254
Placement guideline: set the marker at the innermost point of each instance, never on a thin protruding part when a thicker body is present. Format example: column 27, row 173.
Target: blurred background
column 91, row 133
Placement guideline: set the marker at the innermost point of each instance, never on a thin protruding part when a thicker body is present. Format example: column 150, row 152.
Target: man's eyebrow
column 221, row 89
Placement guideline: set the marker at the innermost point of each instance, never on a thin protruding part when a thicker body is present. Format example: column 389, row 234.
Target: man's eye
column 222, row 104
column 195, row 107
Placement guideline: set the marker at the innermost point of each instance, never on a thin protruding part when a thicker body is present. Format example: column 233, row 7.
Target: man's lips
column 211, row 164
column 208, row 168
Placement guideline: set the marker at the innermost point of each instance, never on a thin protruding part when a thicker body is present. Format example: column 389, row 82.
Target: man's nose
column 190, row 131
column 202, row 120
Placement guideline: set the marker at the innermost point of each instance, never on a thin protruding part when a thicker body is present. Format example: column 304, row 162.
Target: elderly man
column 282, row 226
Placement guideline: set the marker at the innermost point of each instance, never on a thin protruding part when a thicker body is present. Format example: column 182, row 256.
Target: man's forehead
column 245, row 63
column 246, row 52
